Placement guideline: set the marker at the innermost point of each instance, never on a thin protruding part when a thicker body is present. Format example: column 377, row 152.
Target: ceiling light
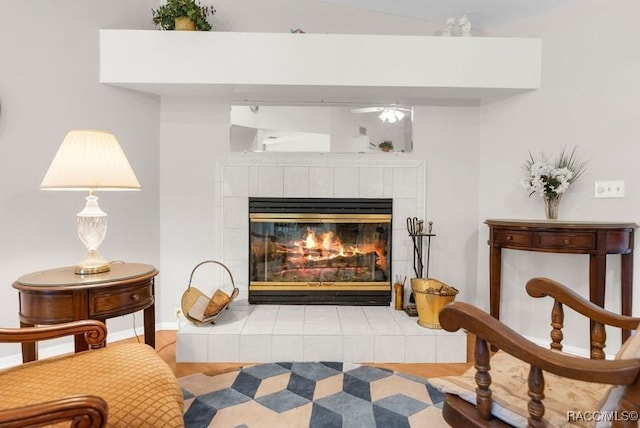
column 391, row 115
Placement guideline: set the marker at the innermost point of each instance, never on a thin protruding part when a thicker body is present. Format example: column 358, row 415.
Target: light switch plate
column 609, row 189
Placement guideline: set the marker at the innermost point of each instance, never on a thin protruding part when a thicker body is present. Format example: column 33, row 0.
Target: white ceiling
column 482, row 13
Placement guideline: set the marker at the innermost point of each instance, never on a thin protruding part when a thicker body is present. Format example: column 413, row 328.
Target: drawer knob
column 566, row 242
column 135, row 297
column 509, row 238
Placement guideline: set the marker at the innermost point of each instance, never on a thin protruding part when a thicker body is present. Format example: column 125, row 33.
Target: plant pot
column 184, row 23
column 431, row 296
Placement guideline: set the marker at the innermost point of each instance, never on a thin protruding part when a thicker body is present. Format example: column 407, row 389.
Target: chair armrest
column 542, row 287
column 95, row 332
column 459, row 315
column 83, row 410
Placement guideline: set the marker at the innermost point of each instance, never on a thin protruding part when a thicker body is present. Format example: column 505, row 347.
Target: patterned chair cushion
column 509, row 385
column 629, row 350
column 138, row 386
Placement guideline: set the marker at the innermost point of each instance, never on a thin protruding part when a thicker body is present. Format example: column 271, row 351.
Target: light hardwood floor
column 166, row 346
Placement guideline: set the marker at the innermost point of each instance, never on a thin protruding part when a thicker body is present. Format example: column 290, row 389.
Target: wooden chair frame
column 86, row 411
column 490, row 331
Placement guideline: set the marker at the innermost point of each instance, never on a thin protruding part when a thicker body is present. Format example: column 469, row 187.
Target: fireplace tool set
column 428, row 295
column 417, row 234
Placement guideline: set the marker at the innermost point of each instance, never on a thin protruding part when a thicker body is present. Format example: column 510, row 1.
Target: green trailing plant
column 165, row 15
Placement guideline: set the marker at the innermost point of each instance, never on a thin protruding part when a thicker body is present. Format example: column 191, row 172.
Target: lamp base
column 92, row 227
column 90, row 270
column 92, row 264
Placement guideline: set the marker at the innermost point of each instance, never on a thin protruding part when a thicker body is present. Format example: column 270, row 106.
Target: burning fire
column 322, row 247
column 326, row 245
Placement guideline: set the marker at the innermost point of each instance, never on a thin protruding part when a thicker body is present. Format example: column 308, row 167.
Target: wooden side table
column 59, row 295
column 597, row 239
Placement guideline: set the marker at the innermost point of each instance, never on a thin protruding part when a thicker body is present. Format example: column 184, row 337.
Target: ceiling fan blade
column 367, row 110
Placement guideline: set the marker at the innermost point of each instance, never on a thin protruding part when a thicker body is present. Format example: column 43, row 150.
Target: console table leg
column 597, row 279
column 495, row 271
column 626, row 284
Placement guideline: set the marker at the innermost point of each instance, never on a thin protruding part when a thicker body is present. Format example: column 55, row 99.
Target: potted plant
column 386, row 146
column 183, row 15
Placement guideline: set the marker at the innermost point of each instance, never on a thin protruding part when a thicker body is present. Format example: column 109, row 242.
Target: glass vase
column 552, row 206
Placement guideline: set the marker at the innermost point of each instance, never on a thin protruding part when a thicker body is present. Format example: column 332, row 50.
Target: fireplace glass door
column 339, row 257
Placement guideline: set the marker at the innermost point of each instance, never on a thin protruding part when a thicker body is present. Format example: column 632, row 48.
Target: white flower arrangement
column 551, row 179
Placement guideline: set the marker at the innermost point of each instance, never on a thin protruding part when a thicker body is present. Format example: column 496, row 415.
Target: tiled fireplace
column 279, row 331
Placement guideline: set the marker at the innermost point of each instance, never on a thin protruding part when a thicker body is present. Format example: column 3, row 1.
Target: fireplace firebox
column 320, row 251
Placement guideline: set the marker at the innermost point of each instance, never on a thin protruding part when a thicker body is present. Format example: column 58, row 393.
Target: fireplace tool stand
column 415, row 228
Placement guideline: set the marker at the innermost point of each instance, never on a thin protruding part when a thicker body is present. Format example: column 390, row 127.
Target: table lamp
column 90, row 160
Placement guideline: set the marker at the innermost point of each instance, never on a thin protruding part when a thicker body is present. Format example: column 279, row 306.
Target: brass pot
column 431, row 296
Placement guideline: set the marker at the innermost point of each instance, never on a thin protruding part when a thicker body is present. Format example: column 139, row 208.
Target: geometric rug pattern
column 322, row 394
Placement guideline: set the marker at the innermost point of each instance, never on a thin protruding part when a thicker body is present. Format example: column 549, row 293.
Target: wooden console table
column 593, row 238
column 59, row 295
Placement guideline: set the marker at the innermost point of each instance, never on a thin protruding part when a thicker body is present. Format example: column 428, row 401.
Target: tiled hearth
column 266, row 333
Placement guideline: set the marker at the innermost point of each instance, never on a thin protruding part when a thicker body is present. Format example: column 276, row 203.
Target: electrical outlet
column 177, row 311
column 609, row 189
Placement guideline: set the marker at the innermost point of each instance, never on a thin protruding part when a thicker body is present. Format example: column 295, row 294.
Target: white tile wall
column 241, row 175
column 321, row 181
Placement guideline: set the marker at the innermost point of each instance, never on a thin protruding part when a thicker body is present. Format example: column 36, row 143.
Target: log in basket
column 201, row 309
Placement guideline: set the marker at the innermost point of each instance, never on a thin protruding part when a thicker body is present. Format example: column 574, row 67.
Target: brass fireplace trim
column 318, row 218
column 318, row 286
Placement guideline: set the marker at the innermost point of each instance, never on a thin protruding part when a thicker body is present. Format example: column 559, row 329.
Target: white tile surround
column 358, row 334
column 315, row 175
column 263, row 333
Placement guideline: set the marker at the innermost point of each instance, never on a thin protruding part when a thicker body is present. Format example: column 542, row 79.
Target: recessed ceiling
column 481, row 13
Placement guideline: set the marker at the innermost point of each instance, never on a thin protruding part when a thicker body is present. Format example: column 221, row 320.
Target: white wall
column 589, row 98
column 449, row 139
column 48, row 86
column 281, row 16
column 194, row 134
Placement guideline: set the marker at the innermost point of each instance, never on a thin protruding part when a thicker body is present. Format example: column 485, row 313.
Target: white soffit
column 318, row 68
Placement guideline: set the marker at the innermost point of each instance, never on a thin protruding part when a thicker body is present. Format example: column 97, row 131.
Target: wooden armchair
column 123, row 385
column 509, row 388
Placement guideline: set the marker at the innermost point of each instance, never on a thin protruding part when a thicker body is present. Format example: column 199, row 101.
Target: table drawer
column 123, row 300
column 513, row 238
column 570, row 240
column 52, row 308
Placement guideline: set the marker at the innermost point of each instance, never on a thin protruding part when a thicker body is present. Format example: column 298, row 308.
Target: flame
column 327, row 245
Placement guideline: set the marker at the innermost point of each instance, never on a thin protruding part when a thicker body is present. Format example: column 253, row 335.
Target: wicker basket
column 192, row 296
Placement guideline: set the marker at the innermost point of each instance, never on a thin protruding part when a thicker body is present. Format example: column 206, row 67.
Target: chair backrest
column 525, row 384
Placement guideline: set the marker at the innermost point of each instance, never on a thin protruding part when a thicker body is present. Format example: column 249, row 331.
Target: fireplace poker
column 416, row 236
column 429, row 235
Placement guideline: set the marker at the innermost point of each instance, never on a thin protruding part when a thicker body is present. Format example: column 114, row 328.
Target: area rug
column 324, row 394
